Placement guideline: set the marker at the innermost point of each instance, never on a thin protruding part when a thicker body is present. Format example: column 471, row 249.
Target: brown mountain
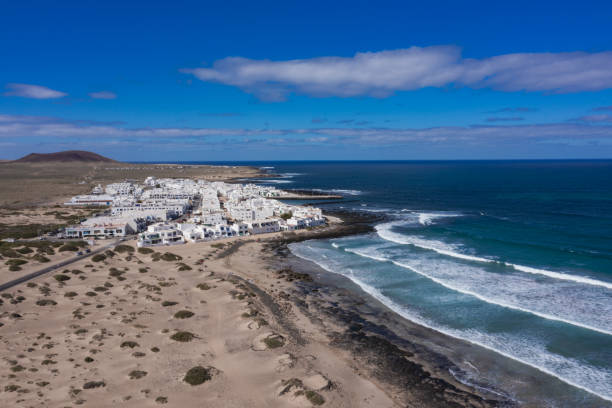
column 67, row 156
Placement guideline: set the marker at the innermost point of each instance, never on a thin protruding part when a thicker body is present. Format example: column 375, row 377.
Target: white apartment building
column 212, row 217
column 240, row 213
column 170, row 210
column 240, row 229
column 91, row 199
column 263, row 226
column 163, row 193
column 122, row 189
column 160, row 234
column 101, row 230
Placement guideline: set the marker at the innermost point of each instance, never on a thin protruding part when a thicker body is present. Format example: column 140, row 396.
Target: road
column 48, row 269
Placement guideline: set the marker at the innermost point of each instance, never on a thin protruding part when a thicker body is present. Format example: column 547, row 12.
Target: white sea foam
column 274, row 181
column 376, row 210
column 590, row 379
column 488, row 299
column 339, row 191
column 426, row 218
column 386, row 233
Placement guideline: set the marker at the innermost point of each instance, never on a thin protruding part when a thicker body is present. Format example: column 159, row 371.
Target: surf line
column 405, row 314
column 555, row 275
column 483, row 298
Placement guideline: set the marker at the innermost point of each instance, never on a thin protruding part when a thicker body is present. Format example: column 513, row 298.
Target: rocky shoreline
column 414, row 374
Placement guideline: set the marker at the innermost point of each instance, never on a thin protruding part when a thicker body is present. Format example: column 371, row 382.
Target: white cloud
column 604, row 117
column 16, row 127
column 103, row 95
column 380, row 74
column 33, row 91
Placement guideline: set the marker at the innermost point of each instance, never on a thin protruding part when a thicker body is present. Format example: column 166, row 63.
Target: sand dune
column 126, row 331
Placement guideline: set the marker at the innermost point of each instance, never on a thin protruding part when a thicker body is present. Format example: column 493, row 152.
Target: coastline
column 334, row 339
column 458, row 362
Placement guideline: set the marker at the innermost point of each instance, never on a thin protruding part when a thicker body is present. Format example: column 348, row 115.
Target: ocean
column 513, row 256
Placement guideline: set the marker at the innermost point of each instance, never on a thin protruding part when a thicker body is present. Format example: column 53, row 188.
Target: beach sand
column 126, row 331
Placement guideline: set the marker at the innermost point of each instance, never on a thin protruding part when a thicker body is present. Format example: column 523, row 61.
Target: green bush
column 70, row 294
column 94, row 384
column 41, row 258
column 10, row 253
column 315, row 398
column 274, row 341
column 170, row 257
column 182, row 336
column 183, row 314
column 46, row 302
column 24, row 231
column 25, row 250
column 197, row 375
column 16, row 262
column 98, row 258
column 145, row 251
column 114, row 272
column 166, row 303
column 137, row 374
column 130, row 344
column 124, row 248
column 47, row 249
column 61, row 277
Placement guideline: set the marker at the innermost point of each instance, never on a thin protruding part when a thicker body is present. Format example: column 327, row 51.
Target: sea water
column 513, row 256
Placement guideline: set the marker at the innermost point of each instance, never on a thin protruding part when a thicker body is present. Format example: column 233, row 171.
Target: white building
column 101, row 230
column 120, row 189
column 240, row 228
column 91, row 199
column 191, row 232
column 225, row 210
column 160, row 234
column 263, row 226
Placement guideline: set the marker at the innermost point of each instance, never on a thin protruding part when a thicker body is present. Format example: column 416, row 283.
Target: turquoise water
column 513, row 256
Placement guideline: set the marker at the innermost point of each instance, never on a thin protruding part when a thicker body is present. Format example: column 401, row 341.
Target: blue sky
column 307, row 80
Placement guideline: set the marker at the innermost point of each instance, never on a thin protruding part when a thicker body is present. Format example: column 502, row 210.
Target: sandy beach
column 230, row 316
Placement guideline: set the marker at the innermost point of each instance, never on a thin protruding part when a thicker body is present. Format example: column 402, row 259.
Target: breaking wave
column 534, row 354
column 385, row 232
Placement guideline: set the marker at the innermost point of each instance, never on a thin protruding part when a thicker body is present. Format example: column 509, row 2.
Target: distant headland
column 65, row 156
